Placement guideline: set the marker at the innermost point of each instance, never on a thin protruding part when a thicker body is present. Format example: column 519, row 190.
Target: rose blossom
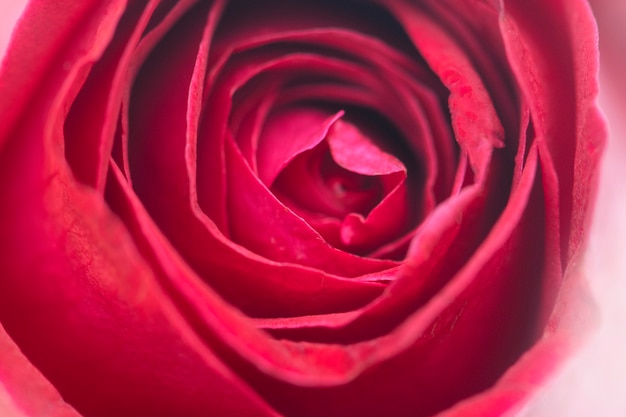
column 280, row 208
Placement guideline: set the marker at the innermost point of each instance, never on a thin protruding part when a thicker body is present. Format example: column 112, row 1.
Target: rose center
column 315, row 182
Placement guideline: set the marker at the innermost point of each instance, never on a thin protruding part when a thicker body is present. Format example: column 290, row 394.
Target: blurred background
column 594, row 382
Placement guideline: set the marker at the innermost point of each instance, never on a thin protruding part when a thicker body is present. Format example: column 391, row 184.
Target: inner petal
column 288, row 133
column 342, row 179
column 315, row 182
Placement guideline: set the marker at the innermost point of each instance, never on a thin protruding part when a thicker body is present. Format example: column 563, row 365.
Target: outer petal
column 556, row 71
column 87, row 310
column 10, row 12
column 573, row 318
column 24, row 391
column 77, row 297
column 44, row 30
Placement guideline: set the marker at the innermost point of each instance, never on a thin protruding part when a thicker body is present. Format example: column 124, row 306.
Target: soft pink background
column 594, row 382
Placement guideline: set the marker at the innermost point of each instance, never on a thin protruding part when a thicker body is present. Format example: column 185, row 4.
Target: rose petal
column 249, row 282
column 91, row 121
column 35, row 51
column 477, row 132
column 355, row 232
column 440, row 247
column 24, row 391
column 209, row 156
column 256, row 36
column 572, row 319
column 188, row 228
column 288, row 133
column 77, row 297
column 280, row 235
column 356, row 152
column 165, row 16
column 285, row 360
column 568, row 63
column 329, row 364
column 82, row 295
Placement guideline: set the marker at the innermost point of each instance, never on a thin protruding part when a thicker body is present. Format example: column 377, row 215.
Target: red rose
column 313, row 208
